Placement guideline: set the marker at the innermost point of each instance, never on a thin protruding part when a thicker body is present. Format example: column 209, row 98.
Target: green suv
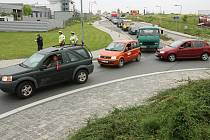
column 47, row 67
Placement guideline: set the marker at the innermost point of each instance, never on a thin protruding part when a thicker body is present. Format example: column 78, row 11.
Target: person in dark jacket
column 39, row 41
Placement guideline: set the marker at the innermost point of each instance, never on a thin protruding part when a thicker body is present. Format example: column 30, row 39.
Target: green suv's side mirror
column 161, row 32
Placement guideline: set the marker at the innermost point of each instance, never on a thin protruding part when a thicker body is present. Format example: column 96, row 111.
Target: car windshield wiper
column 23, row 65
column 114, row 50
column 170, row 46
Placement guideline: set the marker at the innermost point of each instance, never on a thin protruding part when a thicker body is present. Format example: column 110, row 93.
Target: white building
column 61, row 6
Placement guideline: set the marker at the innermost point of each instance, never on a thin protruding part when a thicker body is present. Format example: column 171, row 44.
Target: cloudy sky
column 189, row 6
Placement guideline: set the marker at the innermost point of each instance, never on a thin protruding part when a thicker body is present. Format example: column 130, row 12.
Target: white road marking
column 4, row 115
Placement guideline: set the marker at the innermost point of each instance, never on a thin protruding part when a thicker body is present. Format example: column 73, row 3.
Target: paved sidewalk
column 115, row 35
column 56, row 119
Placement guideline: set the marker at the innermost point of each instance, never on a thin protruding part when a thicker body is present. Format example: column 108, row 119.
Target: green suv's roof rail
column 150, row 27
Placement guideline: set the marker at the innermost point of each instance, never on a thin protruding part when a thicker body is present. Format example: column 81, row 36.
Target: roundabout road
column 148, row 64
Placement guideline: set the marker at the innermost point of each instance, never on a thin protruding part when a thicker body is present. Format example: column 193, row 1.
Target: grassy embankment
column 22, row 44
column 167, row 21
column 176, row 114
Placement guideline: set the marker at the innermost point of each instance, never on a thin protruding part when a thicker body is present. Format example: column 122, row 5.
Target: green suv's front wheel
column 81, row 77
column 25, row 89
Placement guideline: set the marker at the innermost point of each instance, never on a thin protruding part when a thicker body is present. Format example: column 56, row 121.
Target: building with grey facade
column 16, row 10
column 43, row 18
column 61, row 5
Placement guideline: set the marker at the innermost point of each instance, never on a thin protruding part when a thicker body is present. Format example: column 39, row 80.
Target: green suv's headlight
column 7, row 79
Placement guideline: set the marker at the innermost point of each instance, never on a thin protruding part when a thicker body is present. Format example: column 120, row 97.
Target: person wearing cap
column 73, row 39
column 39, row 41
column 61, row 38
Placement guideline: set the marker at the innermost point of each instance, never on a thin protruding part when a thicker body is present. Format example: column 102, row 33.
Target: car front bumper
column 8, row 87
column 159, row 55
column 108, row 62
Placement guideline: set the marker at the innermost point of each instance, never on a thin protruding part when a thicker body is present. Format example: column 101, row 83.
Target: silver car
column 133, row 29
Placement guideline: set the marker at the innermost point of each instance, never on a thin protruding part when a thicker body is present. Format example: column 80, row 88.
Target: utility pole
column 177, row 5
column 145, row 10
column 160, row 8
column 178, row 26
column 82, row 23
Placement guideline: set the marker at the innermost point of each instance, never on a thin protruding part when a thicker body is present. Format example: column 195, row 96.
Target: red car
column 120, row 52
column 185, row 49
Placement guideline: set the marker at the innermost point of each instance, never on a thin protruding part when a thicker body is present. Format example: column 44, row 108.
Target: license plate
column 104, row 61
column 143, row 47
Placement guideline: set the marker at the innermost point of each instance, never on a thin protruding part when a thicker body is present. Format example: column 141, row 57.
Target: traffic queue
column 148, row 38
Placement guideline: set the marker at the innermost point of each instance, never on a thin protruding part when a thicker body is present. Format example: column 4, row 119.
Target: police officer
column 73, row 39
column 39, row 41
column 61, row 38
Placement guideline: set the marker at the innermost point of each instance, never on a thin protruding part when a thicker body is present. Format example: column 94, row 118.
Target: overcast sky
column 189, row 6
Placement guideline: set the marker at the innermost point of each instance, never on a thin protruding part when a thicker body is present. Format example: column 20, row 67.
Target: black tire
column 121, row 63
column 138, row 59
column 81, row 77
column 171, row 57
column 25, row 90
column 205, row 57
column 101, row 65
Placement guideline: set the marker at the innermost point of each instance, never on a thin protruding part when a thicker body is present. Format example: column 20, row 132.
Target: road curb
column 174, row 32
column 43, row 101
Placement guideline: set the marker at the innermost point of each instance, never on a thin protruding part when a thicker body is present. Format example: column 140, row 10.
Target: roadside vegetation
column 165, row 38
column 181, row 113
column 22, row 44
column 186, row 24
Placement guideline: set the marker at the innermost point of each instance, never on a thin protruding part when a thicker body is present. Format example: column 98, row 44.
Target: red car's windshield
column 115, row 46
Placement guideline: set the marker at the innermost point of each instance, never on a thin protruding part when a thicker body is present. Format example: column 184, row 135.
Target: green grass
column 165, row 37
column 22, row 44
column 166, row 21
column 181, row 113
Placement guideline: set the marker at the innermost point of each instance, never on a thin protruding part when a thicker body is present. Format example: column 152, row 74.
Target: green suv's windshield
column 33, row 61
column 115, row 46
column 176, row 44
column 149, row 32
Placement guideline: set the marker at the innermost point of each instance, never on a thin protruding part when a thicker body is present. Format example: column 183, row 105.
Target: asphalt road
column 148, row 64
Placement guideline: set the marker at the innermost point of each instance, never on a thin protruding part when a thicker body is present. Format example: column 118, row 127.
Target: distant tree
column 27, row 10
column 185, row 18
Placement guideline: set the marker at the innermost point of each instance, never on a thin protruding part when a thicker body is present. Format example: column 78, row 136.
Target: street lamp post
column 145, row 10
column 91, row 6
column 82, row 22
column 177, row 5
column 160, row 8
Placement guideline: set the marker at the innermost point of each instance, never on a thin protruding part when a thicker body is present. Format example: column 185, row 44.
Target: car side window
column 198, row 44
column 128, row 47
column 187, row 45
column 53, row 60
column 72, row 57
column 82, row 53
column 134, row 45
